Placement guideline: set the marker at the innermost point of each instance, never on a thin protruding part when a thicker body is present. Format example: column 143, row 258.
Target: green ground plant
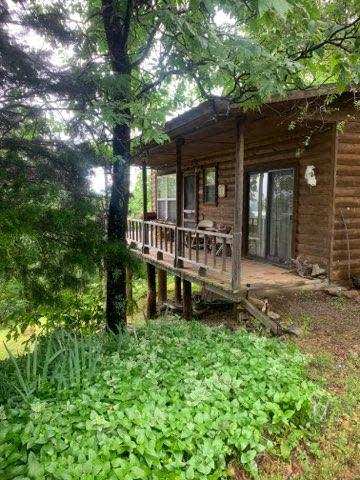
column 172, row 400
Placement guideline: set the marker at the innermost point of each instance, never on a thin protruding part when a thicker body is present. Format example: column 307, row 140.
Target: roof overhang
column 210, row 126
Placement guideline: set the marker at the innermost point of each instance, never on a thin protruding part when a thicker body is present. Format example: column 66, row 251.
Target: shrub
column 175, row 400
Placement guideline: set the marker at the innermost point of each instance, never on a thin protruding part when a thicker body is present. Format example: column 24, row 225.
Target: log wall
column 346, row 204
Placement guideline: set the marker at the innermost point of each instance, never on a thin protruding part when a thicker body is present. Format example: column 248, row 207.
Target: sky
column 98, row 179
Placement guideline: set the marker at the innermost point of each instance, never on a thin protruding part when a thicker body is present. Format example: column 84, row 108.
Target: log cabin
column 240, row 194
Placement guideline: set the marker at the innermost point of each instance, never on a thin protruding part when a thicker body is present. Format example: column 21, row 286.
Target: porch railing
column 209, row 250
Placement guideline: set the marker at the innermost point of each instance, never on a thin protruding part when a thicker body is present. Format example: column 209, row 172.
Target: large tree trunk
column 116, row 19
column 117, row 216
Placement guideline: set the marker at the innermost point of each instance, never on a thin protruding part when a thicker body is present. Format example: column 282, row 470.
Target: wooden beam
column 179, row 200
column 151, row 296
column 238, row 207
column 145, row 207
column 177, row 290
column 268, row 322
column 162, row 287
column 187, row 300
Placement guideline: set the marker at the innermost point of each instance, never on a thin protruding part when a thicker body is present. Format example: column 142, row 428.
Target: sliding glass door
column 270, row 208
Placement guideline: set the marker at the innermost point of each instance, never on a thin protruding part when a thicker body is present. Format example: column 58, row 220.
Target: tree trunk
column 117, row 28
column 117, row 220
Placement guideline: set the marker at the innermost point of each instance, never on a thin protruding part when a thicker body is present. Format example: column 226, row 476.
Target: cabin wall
column 346, row 204
column 223, row 212
column 278, row 147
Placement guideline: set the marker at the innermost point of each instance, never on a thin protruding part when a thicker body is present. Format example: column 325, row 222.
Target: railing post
column 238, row 207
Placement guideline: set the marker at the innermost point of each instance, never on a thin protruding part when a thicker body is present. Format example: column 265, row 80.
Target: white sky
column 98, row 179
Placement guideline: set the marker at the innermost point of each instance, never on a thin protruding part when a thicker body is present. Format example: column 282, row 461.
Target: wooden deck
column 257, row 276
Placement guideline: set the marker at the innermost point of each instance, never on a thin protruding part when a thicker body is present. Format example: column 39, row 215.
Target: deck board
column 256, row 275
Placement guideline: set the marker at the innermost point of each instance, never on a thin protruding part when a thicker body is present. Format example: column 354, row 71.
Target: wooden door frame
column 187, row 173
column 263, row 168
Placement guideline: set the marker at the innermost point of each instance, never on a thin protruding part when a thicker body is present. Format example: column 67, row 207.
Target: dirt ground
column 326, row 322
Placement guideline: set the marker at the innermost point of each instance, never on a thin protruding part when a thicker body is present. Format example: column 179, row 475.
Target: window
column 210, row 180
column 166, row 197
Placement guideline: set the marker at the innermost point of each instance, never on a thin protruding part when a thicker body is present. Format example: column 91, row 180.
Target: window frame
column 165, row 199
column 216, row 198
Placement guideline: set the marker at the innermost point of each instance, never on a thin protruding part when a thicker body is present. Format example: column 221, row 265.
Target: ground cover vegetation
column 331, row 338
column 171, row 400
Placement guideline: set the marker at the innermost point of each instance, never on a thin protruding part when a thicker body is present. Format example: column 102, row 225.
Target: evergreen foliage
column 51, row 235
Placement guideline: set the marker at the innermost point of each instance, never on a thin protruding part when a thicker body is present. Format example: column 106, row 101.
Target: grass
column 174, row 400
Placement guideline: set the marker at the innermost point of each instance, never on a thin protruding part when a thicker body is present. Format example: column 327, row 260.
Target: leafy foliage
column 174, row 400
column 136, row 198
column 181, row 52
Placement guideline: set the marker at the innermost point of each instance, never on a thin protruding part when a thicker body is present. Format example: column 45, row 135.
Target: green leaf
column 281, row 7
column 35, row 469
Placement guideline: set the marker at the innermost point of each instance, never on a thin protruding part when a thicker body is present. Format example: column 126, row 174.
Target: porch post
column 179, row 191
column 162, row 286
column 151, row 296
column 179, row 203
column 187, row 300
column 177, row 290
column 145, row 249
column 238, row 207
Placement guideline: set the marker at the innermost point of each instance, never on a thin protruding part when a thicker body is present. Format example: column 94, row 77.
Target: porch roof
column 210, row 127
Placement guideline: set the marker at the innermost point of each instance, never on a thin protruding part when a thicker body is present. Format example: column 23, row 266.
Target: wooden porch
column 206, row 258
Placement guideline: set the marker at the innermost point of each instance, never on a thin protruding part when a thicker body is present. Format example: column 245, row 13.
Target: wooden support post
column 177, row 290
column 179, row 201
column 187, row 300
column 238, row 207
column 129, row 289
column 151, row 296
column 145, row 231
column 162, row 287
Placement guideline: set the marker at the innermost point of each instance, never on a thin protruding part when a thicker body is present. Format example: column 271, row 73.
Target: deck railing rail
column 208, row 250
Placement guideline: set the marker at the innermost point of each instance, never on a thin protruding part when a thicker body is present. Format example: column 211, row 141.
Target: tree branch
column 332, row 39
column 148, row 45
